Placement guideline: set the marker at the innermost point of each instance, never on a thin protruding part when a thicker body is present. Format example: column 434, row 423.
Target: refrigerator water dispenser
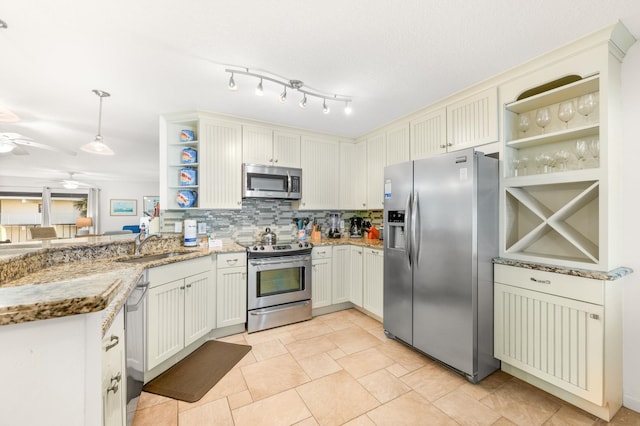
column 395, row 222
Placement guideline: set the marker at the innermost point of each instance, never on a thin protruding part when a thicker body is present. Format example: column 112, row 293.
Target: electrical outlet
column 202, row 227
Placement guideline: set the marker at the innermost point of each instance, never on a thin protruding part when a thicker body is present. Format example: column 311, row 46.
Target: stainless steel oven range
column 278, row 285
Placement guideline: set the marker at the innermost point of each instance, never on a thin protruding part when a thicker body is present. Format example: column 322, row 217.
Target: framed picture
column 149, row 205
column 123, row 207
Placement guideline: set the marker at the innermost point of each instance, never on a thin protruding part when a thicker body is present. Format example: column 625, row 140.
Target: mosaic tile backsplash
column 245, row 225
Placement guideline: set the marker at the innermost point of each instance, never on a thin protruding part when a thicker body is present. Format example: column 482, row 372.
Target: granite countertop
column 584, row 273
column 363, row 242
column 79, row 277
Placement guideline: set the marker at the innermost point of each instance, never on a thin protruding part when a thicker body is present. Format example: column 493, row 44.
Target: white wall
column 123, row 190
column 630, row 188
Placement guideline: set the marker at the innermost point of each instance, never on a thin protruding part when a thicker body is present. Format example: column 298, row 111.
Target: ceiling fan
column 72, row 183
column 15, row 143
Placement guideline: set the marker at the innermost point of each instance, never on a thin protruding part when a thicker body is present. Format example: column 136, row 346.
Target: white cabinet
column 220, row 164
column 375, row 171
column 178, row 307
column 261, row 145
column 114, row 374
column 468, row 122
column 356, row 275
column 373, row 280
column 231, row 281
column 353, row 176
column 563, row 330
column 320, row 179
column 398, row 146
column 321, row 276
column 341, row 274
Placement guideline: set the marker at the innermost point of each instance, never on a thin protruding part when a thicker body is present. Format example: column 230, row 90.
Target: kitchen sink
column 149, row 257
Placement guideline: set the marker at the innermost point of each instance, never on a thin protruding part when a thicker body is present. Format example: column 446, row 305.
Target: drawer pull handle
column 594, row 316
column 232, row 261
column 112, row 343
column 535, row 280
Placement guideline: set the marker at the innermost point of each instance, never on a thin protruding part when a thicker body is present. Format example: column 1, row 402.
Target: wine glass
column 594, row 150
column 562, row 157
column 545, row 162
column 524, row 161
column 566, row 111
column 543, row 118
column 580, row 151
column 515, row 164
column 524, row 123
column 586, row 105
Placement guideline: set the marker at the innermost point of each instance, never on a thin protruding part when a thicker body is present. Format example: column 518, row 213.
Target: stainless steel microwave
column 260, row 181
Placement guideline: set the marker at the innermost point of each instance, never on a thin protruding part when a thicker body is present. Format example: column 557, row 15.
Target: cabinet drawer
column 178, row 270
column 321, row 252
column 577, row 288
column 232, row 260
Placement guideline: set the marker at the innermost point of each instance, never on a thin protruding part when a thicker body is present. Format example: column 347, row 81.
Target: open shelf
column 586, row 131
column 557, row 95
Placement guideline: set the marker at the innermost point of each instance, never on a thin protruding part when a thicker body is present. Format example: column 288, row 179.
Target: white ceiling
column 161, row 56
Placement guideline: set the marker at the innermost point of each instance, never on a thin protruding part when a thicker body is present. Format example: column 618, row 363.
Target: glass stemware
column 524, row 161
column 586, row 105
column 594, row 150
column 515, row 164
column 543, row 118
column 524, row 123
column 545, row 163
column 562, row 157
column 580, row 151
column 566, row 111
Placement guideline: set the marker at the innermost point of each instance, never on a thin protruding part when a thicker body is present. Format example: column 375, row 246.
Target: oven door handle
column 289, row 261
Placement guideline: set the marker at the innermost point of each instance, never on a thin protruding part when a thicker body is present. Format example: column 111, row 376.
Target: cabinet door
column 286, row 149
column 375, row 172
column 473, row 121
column 429, row 134
column 557, row 339
column 257, row 145
column 321, row 282
column 165, row 322
column 197, row 322
column 356, row 275
column 220, row 165
column 341, row 274
column 231, row 298
column 353, row 173
column 373, row 281
column 114, row 374
column 320, row 182
column 398, row 148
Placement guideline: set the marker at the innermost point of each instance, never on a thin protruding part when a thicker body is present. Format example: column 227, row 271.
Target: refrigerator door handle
column 415, row 227
column 407, row 229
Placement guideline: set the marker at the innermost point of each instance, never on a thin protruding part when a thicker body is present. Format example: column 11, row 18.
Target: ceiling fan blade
column 13, row 136
column 18, row 150
column 43, row 146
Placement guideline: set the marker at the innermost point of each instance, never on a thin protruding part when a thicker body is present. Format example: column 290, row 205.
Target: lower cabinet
column 355, row 266
column 231, row 280
column 341, row 274
column 178, row 311
column 373, row 280
column 321, row 276
column 561, row 333
column 114, row 411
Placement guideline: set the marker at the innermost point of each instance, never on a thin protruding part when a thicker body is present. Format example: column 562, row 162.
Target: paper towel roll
column 190, row 232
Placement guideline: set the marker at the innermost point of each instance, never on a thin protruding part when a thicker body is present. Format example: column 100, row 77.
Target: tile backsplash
column 245, row 225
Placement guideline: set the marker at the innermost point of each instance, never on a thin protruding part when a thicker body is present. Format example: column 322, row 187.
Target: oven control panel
column 292, row 248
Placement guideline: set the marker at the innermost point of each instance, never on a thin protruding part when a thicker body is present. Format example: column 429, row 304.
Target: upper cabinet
column 375, row 171
column 468, row 122
column 353, row 176
column 261, row 145
column 561, row 146
column 398, row 149
column 320, row 180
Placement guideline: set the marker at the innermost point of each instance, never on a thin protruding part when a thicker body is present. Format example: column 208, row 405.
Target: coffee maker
column 355, row 230
column 334, row 225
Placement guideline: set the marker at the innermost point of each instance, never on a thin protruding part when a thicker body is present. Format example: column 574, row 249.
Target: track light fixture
column 291, row 84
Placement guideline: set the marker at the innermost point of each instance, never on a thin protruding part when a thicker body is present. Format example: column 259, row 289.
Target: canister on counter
column 190, row 231
column 189, row 156
column 188, row 176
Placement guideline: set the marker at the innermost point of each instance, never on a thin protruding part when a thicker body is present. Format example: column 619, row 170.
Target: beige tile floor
column 341, row 369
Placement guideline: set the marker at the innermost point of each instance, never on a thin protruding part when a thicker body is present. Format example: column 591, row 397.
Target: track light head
column 303, row 102
column 259, row 90
column 232, row 83
column 325, row 108
column 283, row 95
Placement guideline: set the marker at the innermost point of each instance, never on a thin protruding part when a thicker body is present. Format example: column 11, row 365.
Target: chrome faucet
column 141, row 240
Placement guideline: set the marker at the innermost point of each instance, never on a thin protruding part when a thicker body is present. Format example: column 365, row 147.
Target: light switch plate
column 202, row 227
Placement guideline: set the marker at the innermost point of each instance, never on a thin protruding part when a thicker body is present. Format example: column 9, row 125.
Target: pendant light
column 98, row 146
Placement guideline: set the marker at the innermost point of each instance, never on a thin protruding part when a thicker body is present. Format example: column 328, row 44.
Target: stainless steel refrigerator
column 441, row 233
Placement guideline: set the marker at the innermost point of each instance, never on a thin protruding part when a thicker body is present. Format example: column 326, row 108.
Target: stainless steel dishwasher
column 135, row 341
